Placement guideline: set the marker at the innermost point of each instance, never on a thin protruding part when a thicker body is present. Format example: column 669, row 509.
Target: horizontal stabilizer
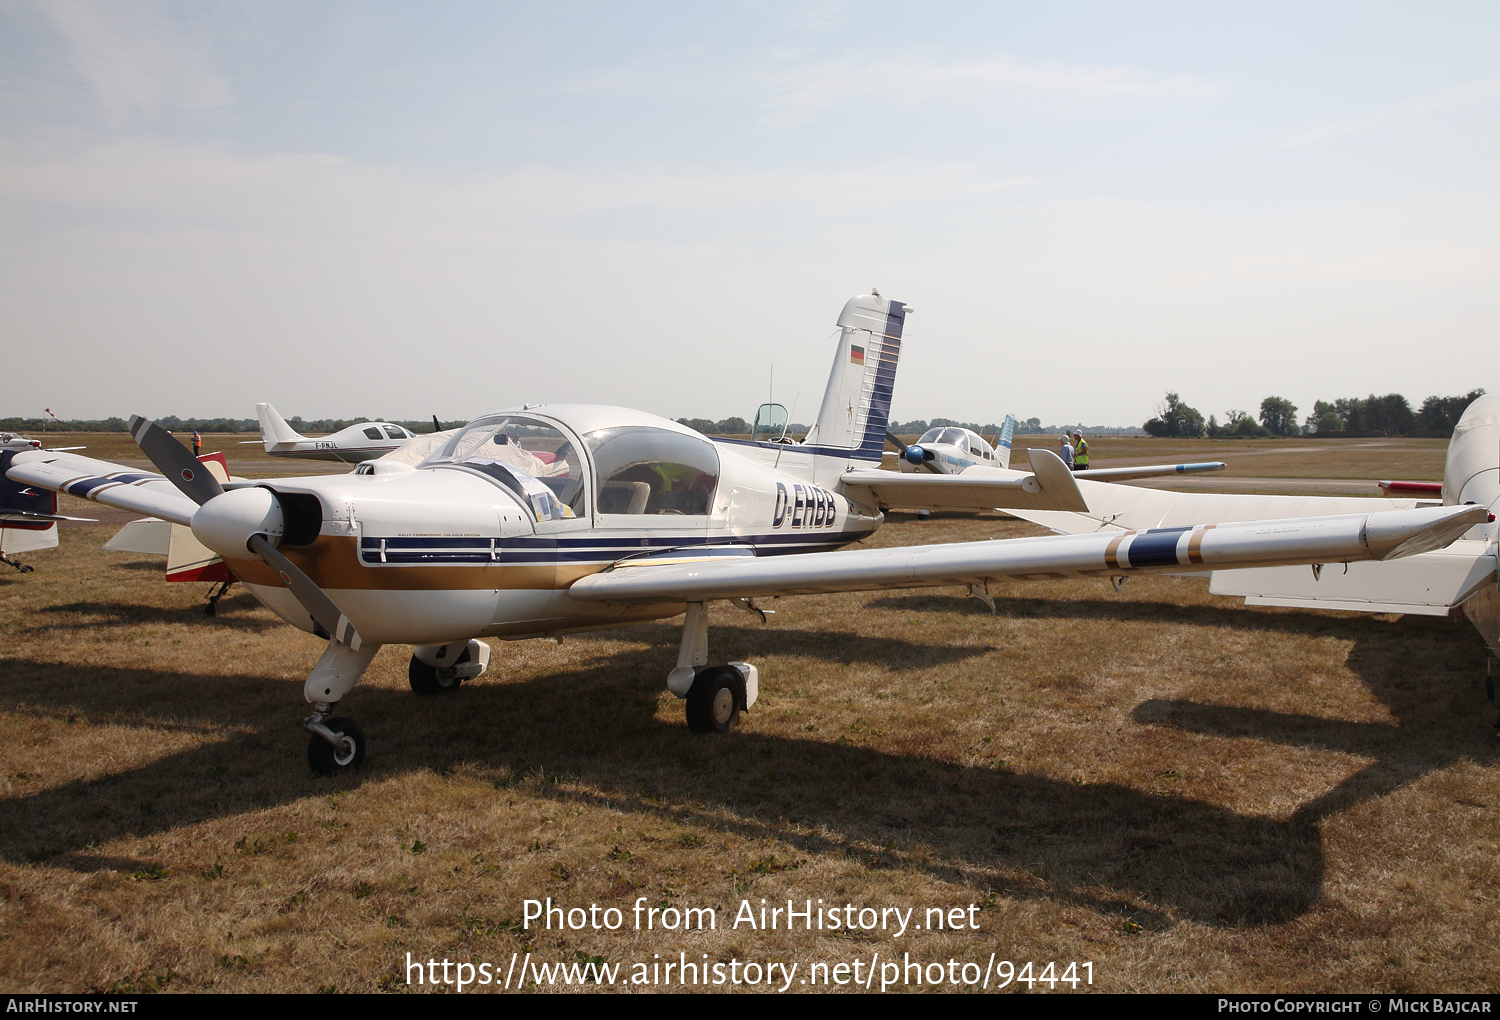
column 1050, row 486
column 21, row 517
column 1121, row 474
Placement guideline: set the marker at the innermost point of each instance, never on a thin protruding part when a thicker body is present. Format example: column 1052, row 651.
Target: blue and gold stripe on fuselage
column 531, row 562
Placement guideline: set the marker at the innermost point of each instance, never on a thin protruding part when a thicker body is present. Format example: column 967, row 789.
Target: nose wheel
column 336, row 746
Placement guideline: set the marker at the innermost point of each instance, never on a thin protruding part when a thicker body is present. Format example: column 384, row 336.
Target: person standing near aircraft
column 1067, row 452
column 197, row 443
column 1080, row 452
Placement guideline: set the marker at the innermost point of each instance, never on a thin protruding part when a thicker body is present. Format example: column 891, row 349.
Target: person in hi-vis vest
column 1080, row 452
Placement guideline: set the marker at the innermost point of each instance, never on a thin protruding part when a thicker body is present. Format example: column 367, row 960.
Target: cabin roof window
column 646, row 470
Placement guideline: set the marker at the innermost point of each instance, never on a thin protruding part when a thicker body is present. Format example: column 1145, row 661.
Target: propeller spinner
column 238, row 520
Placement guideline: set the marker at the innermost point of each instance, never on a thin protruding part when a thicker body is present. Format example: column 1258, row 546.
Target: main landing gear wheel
column 323, row 757
column 715, row 699
column 426, row 680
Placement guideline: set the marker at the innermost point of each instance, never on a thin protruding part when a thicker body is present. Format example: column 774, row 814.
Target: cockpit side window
column 930, row 436
column 395, row 433
column 537, row 449
column 372, row 432
column 645, row 470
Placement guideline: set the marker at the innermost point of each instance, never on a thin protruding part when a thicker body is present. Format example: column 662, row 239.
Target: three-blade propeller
column 189, row 474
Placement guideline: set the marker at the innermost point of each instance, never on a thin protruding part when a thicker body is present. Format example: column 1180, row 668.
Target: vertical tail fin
column 1002, row 443
column 273, row 427
column 857, row 404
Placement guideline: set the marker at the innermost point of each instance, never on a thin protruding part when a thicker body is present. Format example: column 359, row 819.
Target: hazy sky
column 408, row 209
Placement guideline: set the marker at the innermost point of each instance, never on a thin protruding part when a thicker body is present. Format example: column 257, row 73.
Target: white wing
column 141, row 491
column 1345, row 538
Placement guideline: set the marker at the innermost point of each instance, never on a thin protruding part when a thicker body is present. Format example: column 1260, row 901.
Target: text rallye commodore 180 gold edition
column 556, row 518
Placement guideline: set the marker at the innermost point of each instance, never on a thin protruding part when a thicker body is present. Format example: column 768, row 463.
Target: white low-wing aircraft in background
column 554, row 518
column 951, row 450
column 353, row 445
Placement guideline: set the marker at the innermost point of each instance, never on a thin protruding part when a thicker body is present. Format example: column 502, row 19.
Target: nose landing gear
column 336, row 745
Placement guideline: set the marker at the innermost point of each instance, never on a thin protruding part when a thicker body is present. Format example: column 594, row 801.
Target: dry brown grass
column 1193, row 795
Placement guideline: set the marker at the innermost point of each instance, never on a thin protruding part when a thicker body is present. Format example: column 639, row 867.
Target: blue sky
column 408, row 209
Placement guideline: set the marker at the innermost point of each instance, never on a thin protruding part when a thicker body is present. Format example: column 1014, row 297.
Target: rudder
column 857, row 403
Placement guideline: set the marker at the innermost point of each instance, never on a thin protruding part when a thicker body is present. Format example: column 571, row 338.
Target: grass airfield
column 1190, row 794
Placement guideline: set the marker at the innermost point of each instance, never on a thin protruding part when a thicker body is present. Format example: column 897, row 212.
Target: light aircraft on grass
column 353, row 445
column 950, row 450
column 28, row 516
column 553, row 518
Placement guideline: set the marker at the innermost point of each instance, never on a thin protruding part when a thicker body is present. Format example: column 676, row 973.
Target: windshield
column 646, row 470
column 506, row 446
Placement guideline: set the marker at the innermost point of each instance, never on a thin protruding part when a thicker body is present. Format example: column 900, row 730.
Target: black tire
column 324, row 758
column 715, row 699
column 427, row 680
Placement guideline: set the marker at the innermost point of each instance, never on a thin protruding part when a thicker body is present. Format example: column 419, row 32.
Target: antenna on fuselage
column 781, row 440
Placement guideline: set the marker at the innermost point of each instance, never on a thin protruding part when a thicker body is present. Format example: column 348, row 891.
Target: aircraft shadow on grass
column 1150, row 860
column 114, row 614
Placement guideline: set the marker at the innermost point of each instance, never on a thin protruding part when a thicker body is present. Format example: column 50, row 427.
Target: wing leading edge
column 1339, row 539
column 143, row 492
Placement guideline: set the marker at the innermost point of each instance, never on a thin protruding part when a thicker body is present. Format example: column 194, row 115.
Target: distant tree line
column 172, row 423
column 1388, row 415
column 739, row 427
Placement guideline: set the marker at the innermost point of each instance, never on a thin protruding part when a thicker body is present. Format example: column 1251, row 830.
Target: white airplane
column 553, row 518
column 28, row 516
column 949, row 450
column 1462, row 576
column 353, row 445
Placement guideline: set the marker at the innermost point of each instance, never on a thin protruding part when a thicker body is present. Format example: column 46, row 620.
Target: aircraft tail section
column 274, row 431
column 17, row 499
column 1002, row 443
column 857, row 403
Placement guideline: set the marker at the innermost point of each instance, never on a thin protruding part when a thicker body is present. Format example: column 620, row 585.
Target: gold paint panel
column 333, row 563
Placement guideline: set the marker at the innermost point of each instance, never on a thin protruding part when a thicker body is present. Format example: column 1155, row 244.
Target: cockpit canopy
column 639, row 469
column 644, row 470
column 961, row 438
column 518, row 449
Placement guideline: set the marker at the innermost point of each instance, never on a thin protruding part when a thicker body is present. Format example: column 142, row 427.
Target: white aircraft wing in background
column 143, row 492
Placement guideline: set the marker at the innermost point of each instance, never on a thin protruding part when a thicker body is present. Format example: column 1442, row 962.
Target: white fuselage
column 953, row 451
column 353, row 445
column 445, row 552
